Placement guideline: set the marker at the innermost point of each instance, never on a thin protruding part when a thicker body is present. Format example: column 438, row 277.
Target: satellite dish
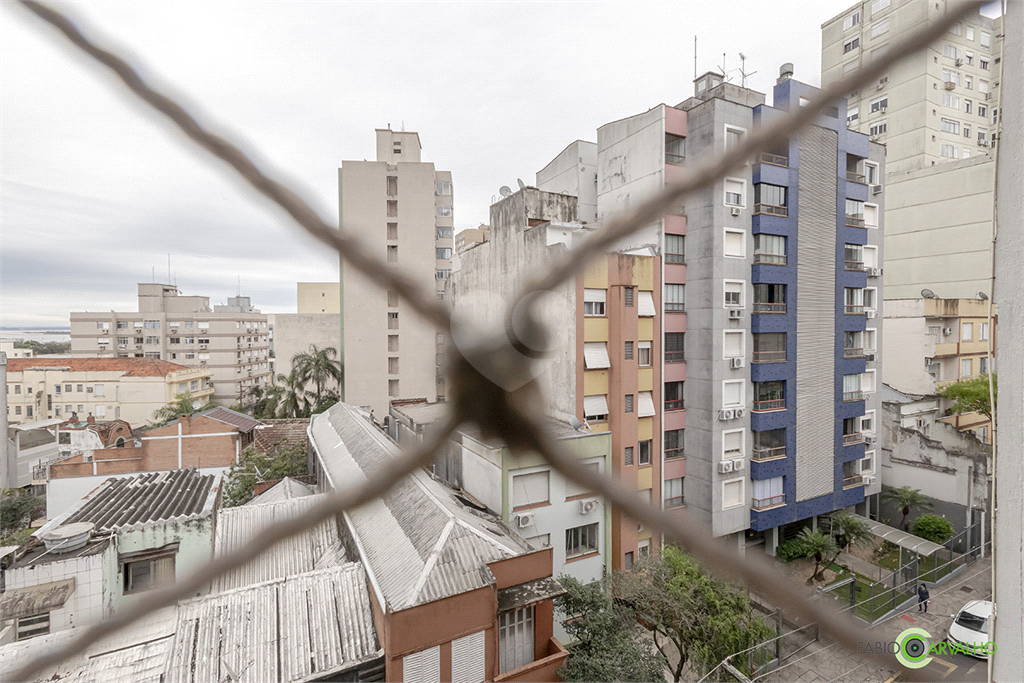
column 983, row 296
column 505, row 191
column 574, row 422
column 928, row 294
column 522, row 185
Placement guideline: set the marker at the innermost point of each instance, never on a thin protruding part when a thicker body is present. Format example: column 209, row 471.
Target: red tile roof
column 287, row 431
column 132, row 367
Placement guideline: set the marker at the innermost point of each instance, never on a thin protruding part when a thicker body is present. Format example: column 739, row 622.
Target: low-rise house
column 122, row 540
column 456, row 594
column 273, row 433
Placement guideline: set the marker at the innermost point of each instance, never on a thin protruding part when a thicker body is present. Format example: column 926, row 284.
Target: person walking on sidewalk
column 922, row 598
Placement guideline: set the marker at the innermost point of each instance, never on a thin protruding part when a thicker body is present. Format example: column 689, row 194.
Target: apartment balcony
column 855, row 222
column 675, row 159
column 764, row 454
column 769, row 357
column 854, row 309
column 675, row 308
column 853, row 439
column 855, row 265
column 856, row 177
column 676, row 404
column 542, row 669
column 771, row 210
column 773, row 159
column 769, row 308
column 770, row 259
column 674, row 453
column 853, row 396
column 763, row 503
column 853, row 482
column 769, row 405
column 675, row 357
column 853, row 353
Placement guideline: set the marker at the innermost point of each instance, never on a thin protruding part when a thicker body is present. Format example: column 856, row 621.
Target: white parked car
column 969, row 630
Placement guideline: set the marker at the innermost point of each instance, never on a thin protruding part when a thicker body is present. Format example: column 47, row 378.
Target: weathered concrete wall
column 574, row 171
column 295, row 332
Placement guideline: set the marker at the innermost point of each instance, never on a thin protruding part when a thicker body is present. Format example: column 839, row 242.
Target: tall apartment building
column 401, row 208
column 937, row 113
column 319, row 297
column 230, row 340
column 770, row 293
column 605, row 371
column 317, row 323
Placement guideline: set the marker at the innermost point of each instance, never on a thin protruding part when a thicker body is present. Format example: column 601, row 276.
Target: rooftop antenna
column 723, row 69
column 695, row 56
column 403, row 126
column 168, row 267
column 238, row 288
column 154, row 274
column 743, row 69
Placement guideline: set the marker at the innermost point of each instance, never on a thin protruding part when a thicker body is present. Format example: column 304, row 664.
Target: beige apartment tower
column 231, row 340
column 401, row 207
column 319, row 297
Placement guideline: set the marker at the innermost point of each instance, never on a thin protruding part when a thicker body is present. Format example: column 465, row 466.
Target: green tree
column 318, row 366
column 44, row 348
column 17, row 510
column 608, row 644
column 819, row 546
column 288, row 397
column 932, row 528
column 847, row 529
column 971, row 395
column 695, row 618
column 906, row 499
column 286, row 461
column 183, row 404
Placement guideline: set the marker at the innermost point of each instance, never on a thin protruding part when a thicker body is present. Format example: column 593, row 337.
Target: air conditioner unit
column 736, row 362
column 202, row 346
column 738, row 412
column 138, row 346
column 949, row 85
column 870, row 313
column 868, row 479
column 588, row 506
column 880, row 85
column 524, row 520
column 988, row 96
column 725, row 467
column 122, row 346
column 738, row 465
column 959, row 62
column 728, row 413
column 735, row 313
column 882, row 110
column 868, row 439
column 946, row 331
column 876, row 189
column 735, row 211
column 869, row 356
column 984, row 143
column 874, row 137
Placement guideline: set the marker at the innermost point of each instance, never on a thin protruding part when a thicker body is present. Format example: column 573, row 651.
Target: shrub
column 790, row 550
column 933, row 528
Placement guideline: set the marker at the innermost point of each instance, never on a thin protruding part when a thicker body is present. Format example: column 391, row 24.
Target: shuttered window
column 734, row 243
column 574, row 489
column 646, row 404
column 468, row 659
column 422, row 667
column 733, row 344
column 644, row 356
column 732, row 393
column 629, row 403
column 629, row 350
column 732, row 444
column 646, row 308
column 595, row 407
column 515, row 639
column 595, row 355
column 628, row 296
column 530, row 489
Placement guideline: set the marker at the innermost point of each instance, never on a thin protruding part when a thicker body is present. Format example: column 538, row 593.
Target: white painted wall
column 85, row 605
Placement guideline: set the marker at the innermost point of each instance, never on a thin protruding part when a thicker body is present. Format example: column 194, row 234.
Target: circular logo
column 914, row 644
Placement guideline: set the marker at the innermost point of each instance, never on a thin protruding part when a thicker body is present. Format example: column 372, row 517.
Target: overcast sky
column 96, row 191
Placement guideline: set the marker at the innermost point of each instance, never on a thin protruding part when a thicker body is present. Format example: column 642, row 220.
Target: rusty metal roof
column 306, row 627
column 418, row 542
column 149, row 497
column 243, row 422
column 21, row 602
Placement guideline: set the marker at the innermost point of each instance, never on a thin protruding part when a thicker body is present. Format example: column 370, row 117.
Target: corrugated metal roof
column 236, row 527
column 286, row 489
column 418, row 542
column 149, row 497
column 314, row 624
column 227, row 416
column 423, row 413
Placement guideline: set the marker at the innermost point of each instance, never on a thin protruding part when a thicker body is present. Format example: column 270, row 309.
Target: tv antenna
column 505, row 191
column 743, row 70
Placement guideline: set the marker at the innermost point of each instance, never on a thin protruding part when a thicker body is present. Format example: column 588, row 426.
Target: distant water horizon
column 39, row 334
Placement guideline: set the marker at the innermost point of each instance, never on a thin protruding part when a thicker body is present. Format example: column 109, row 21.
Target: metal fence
column 511, row 416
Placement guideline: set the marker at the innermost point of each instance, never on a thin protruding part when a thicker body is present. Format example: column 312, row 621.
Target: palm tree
column 847, row 529
column 289, row 396
column 822, row 547
column 183, row 404
column 319, row 367
column 906, row 499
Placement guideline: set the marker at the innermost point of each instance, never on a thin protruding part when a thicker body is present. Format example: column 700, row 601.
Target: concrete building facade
column 231, row 340
column 319, row 297
column 471, row 237
column 129, row 389
column 401, row 208
column 574, row 172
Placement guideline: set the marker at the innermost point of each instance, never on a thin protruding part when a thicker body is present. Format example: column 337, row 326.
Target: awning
column 646, row 407
column 7, row 550
column 646, row 309
column 901, row 538
column 595, row 405
column 22, row 602
column 595, row 355
column 529, row 593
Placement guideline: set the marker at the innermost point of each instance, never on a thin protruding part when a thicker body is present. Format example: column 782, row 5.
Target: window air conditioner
column 736, row 362
column 725, row 467
column 735, row 211
column 524, row 520
column 946, row 331
column 738, row 412
column 735, row 313
column 876, row 189
column 738, row 465
column 726, row 414
column 868, row 479
column 882, row 110
column 988, row 96
column 868, row 439
column 949, row 85
column 881, row 84
column 588, row 506
column 870, row 313
column 869, row 356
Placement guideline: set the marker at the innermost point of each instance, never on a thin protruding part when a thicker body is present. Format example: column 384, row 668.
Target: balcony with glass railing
column 855, row 177
column 855, row 309
column 771, row 501
column 770, row 259
column 855, row 265
column 774, row 159
column 763, row 454
column 852, row 439
column 769, row 404
column 769, row 307
column 769, row 357
column 771, row 209
column 852, row 353
column 853, row 395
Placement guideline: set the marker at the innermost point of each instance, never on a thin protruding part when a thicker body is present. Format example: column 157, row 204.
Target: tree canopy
column 971, row 395
column 184, row 404
column 287, row 461
column 906, row 499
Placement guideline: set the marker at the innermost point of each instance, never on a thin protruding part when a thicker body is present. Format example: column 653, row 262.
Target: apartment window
column 152, row 325
column 733, row 137
column 735, row 243
column 393, row 387
column 733, row 346
column 769, row 347
column 581, row 540
column 769, row 444
column 81, row 409
column 392, row 231
column 878, row 128
column 674, row 396
column 629, row 455
column 957, row 28
column 206, row 340
column 594, row 302
column 965, row 368
column 983, row 332
column 869, row 298
column 732, row 444
column 879, row 28
column 986, row 39
column 442, row 188
column 732, row 393
column 734, row 192
column 32, row 626
column 950, row 76
column 852, row 114
column 852, row 388
column 983, row 63
column 770, row 199
column 949, row 151
column 152, row 340
column 878, row 6
column 56, row 390
column 879, row 104
column 17, row 410
column 950, row 126
column 392, row 253
column 734, row 293
column 867, row 422
column 675, row 248
column 629, row 403
column 80, row 388
column 393, row 366
column 673, row 443
column 17, row 388
column 769, row 395
column 769, row 298
column 644, row 354
column 674, row 347
column 983, row 366
column 442, row 274
column 849, row 67
column 148, row 569
column 443, row 253
column 950, row 101
column 968, row 85
column 392, row 321
column 442, row 211
column 851, row 45
column 192, row 340
column 629, row 351
column 854, row 300
column 100, row 390
column 952, row 51
column 675, row 149
column 628, row 294
column 673, row 492
column 770, row 249
column 170, row 340
column 627, row 562
column 532, row 489
column 156, row 354
column 595, row 408
column 851, row 20
column 645, row 305
column 644, row 454
column 732, row 493
column 28, row 411
column 767, row 493
column 122, row 324
column 645, row 407
column 515, row 639
column 967, row 331
column 854, row 254
column 675, row 298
